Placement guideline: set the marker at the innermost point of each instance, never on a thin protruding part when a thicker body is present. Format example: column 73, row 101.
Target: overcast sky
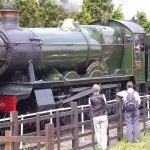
column 130, row 7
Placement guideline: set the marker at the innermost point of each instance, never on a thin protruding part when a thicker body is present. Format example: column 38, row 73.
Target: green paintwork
column 118, row 72
column 96, row 66
column 76, row 51
column 139, row 66
column 96, row 73
column 147, row 56
column 148, row 67
column 126, row 48
column 71, row 75
column 54, row 74
column 127, row 62
column 133, row 62
column 73, row 50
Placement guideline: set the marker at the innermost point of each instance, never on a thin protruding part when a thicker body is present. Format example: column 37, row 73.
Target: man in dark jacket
column 100, row 119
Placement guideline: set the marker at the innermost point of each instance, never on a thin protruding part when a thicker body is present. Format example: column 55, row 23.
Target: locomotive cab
column 133, row 61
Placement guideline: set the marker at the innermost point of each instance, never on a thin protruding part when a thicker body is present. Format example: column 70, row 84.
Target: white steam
column 70, row 6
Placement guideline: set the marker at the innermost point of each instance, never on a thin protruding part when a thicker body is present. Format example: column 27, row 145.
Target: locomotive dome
column 68, row 24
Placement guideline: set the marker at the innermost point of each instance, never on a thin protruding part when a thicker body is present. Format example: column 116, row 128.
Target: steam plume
column 70, row 6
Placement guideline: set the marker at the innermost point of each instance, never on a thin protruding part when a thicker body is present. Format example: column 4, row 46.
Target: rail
column 68, row 108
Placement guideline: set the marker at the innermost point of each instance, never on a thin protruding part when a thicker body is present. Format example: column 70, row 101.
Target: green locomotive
column 41, row 68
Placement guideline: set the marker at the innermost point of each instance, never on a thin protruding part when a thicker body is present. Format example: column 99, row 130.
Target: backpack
column 130, row 102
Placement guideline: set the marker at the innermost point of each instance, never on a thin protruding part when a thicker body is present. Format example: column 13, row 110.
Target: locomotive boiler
column 44, row 68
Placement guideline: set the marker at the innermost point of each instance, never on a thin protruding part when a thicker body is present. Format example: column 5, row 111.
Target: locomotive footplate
column 82, row 81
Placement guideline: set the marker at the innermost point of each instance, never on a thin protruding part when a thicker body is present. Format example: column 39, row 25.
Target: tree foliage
column 99, row 9
column 31, row 15
column 84, row 17
column 117, row 14
column 143, row 21
column 46, row 13
column 52, row 14
column 41, row 14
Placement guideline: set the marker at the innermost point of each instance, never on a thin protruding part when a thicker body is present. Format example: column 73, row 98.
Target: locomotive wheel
column 110, row 94
column 65, row 119
column 2, row 130
column 43, row 123
column 84, row 101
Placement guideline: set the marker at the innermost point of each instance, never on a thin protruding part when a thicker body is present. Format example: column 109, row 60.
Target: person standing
column 131, row 117
column 99, row 115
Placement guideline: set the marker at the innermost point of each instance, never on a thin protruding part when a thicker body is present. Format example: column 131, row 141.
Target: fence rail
column 48, row 139
column 53, row 135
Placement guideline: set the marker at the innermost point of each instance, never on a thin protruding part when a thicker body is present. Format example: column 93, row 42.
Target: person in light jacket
column 131, row 117
column 99, row 115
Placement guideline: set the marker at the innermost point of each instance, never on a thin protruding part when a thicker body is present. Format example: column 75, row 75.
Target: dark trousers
column 132, row 122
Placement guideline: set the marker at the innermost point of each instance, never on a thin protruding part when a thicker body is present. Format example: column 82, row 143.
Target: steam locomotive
column 45, row 68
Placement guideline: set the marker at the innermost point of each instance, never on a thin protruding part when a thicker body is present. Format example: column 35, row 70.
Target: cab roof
column 132, row 26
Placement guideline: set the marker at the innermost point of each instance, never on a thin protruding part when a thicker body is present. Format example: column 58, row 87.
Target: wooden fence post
column 144, row 114
column 120, row 121
column 75, row 130
column 8, row 145
column 14, row 128
column 49, row 133
column 58, row 129
column 38, row 129
column 93, row 132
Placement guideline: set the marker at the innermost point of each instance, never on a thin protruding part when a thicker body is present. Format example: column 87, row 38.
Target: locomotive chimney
column 10, row 18
column 67, row 24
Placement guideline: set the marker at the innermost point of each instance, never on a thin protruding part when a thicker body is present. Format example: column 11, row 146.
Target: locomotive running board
column 9, row 86
column 81, row 81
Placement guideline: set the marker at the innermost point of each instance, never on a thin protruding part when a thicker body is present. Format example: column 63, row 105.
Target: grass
column 143, row 144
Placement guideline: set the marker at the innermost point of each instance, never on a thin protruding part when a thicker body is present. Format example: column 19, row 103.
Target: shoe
column 136, row 141
column 97, row 148
column 130, row 142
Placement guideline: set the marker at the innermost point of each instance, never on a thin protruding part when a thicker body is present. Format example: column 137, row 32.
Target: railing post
column 75, row 130
column 38, row 129
column 120, row 121
column 21, row 131
column 93, row 132
column 49, row 133
column 82, row 119
column 58, row 129
column 144, row 114
column 14, row 128
column 108, row 134
column 8, row 145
